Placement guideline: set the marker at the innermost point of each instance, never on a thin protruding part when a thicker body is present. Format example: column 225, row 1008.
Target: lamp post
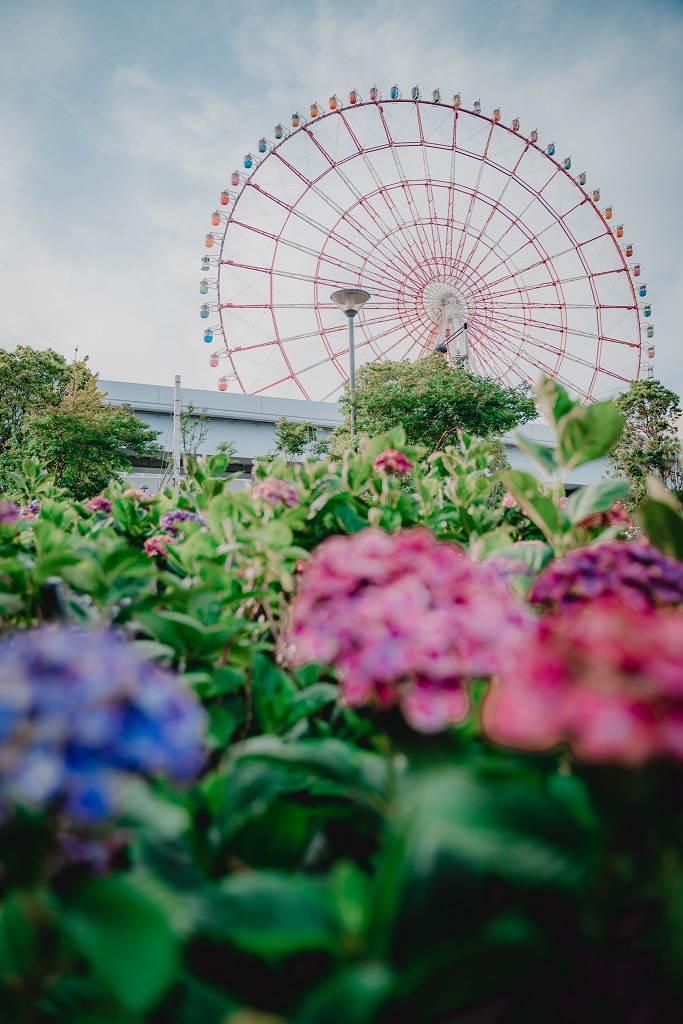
column 350, row 301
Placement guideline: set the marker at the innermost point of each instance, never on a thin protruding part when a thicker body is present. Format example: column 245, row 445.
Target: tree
column 431, row 401
column 194, row 427
column 650, row 445
column 30, row 380
column 294, row 440
column 64, row 421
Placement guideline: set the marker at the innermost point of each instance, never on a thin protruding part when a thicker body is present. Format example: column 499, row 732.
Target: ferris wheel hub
column 443, row 302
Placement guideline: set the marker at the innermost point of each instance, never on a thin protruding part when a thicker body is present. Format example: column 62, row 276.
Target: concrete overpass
column 248, row 421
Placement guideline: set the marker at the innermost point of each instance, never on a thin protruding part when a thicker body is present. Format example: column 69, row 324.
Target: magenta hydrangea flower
column 98, row 504
column 169, row 520
column 272, row 491
column 158, row 545
column 405, row 619
column 635, row 572
column 392, row 461
column 605, row 677
column 78, row 709
column 9, row 513
column 614, row 516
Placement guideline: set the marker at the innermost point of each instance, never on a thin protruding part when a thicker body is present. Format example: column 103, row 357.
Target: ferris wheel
column 470, row 236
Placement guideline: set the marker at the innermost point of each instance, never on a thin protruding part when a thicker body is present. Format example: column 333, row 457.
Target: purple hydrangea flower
column 78, row 709
column 9, row 513
column 635, row 572
column 168, row 520
column 99, row 504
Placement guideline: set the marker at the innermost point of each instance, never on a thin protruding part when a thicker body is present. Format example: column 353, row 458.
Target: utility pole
column 177, row 405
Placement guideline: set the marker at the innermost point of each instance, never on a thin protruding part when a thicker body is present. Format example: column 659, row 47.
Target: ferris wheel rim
column 246, row 181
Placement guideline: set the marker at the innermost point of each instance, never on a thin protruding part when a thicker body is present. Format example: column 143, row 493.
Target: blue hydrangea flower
column 80, row 708
column 169, row 519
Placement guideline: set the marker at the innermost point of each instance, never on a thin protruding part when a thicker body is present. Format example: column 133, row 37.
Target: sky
column 120, row 124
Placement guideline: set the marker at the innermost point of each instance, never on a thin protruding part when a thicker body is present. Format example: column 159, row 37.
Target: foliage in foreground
column 502, row 858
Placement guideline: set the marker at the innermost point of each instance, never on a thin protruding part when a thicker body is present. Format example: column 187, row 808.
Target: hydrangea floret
column 158, row 545
column 78, row 709
column 169, row 520
column 272, row 491
column 99, row 504
column 633, row 571
column 605, row 677
column 392, row 461
column 405, row 619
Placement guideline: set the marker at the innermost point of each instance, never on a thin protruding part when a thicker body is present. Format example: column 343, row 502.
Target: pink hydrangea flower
column 272, row 490
column 405, row 619
column 509, row 500
column 143, row 497
column 158, row 545
column 392, row 461
column 563, row 502
column 605, row 677
column 98, row 504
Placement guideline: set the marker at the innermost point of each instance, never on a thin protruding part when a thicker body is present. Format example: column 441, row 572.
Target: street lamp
column 350, row 301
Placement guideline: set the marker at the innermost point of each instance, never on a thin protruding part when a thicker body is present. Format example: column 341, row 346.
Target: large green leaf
column 543, row 456
column 663, row 524
column 587, row 432
column 126, row 939
column 596, row 497
column 271, row 915
column 353, row 994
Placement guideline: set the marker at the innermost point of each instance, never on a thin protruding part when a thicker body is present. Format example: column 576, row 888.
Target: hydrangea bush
column 384, row 738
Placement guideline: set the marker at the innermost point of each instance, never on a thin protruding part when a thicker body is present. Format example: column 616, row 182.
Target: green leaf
column 272, row 693
column 543, row 457
column 125, row 938
column 553, row 401
column 277, row 534
column 663, row 525
column 588, row 432
column 534, row 555
column 348, row 518
column 18, row 938
column 540, row 508
column 352, row 994
column 271, row 915
column 309, row 702
column 596, row 497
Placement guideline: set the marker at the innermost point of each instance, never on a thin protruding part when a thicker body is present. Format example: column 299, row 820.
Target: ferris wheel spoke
column 473, row 197
column 495, row 207
column 353, row 248
column 381, row 190
column 437, row 247
column 405, row 183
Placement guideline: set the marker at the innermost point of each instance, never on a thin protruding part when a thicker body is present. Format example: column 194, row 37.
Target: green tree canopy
column 53, row 410
column 431, row 401
column 650, row 445
column 294, row 440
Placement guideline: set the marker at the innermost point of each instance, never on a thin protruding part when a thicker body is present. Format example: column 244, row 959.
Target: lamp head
column 350, row 300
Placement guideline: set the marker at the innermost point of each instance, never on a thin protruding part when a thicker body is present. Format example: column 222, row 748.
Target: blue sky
column 121, row 122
